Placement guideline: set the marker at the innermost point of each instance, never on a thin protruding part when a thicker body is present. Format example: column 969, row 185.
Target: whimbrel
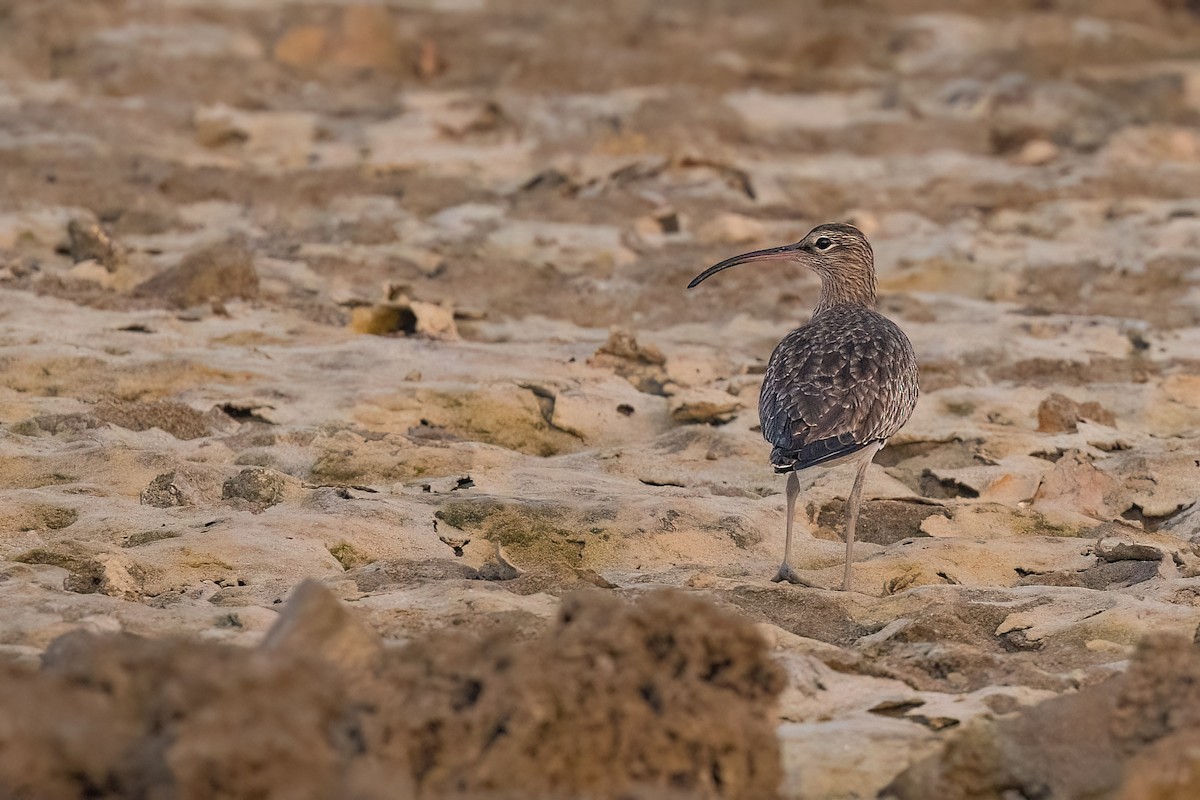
column 837, row 388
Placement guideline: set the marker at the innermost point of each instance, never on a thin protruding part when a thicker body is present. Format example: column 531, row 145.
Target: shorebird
column 835, row 390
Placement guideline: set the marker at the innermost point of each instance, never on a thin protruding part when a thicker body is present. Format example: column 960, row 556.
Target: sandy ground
column 392, row 296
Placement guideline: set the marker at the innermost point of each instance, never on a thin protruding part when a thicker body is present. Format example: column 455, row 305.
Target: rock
column 1168, row 769
column 179, row 420
column 858, row 757
column 1126, row 551
column 1152, row 144
column 213, row 274
column 93, row 272
column 702, row 405
column 181, row 487
column 255, row 487
column 315, row 623
column 1130, row 721
column 1036, row 153
column 645, row 666
column 301, row 46
column 89, row 241
column 666, row 696
column 498, row 567
column 1060, row 414
column 729, row 228
column 364, row 38
column 410, row 317
column 429, row 63
column 1184, row 389
column 1077, row 485
column 641, row 365
column 92, row 570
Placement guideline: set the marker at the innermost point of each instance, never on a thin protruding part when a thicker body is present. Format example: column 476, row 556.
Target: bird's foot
column 786, row 573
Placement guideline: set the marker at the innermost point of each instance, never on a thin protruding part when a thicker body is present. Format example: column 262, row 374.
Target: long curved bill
column 784, row 253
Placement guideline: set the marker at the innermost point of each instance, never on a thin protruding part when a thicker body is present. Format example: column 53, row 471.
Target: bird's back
column 845, row 381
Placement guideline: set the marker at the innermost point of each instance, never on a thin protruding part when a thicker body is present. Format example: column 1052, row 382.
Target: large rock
column 1109, row 740
column 665, row 696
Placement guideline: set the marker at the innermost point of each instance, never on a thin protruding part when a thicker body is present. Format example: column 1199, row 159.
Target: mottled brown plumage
column 837, row 388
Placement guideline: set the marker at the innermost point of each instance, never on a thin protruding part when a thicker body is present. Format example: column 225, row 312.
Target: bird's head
column 838, row 253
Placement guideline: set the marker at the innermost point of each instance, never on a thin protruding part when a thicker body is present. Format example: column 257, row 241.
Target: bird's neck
column 855, row 289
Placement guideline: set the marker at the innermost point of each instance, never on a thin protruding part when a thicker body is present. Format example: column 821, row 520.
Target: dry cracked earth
column 391, row 296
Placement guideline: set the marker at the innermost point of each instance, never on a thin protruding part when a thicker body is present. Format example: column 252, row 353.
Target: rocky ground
column 392, row 296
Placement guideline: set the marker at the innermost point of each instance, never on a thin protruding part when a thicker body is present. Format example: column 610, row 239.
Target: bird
column 837, row 388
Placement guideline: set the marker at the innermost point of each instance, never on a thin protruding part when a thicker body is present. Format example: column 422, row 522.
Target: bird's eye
column 824, row 243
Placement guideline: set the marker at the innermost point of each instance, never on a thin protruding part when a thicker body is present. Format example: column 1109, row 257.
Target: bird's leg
column 786, row 573
column 852, row 517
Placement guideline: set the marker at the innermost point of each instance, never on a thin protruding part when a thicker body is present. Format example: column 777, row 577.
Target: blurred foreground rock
column 665, row 697
column 1133, row 737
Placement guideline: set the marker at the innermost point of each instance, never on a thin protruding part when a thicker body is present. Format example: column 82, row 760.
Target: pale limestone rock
column 315, row 622
column 1036, row 153
column 702, row 405
column 730, row 228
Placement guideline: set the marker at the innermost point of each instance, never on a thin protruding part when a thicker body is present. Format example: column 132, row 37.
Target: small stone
column 90, row 242
column 1127, row 551
column 92, row 271
column 498, row 567
column 172, row 490
column 594, row 578
column 1036, row 152
column 363, row 37
column 216, row 127
column 644, row 366
column 314, row 622
column 432, row 321
column 866, row 221
column 454, row 543
column 1183, row 389
column 707, row 406
column 301, row 46
column 379, row 320
column 729, row 228
column 646, row 227
column 90, row 571
column 1060, row 414
column 429, row 60
column 259, row 487
column 410, row 317
column 366, row 39
column 623, row 345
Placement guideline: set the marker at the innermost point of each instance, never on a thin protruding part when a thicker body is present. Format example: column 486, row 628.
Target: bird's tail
column 823, row 451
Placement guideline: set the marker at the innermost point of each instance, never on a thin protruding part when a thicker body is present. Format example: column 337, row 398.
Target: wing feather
column 846, row 380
